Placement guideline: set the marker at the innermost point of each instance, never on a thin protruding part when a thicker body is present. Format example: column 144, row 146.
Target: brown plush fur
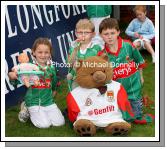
column 93, row 77
column 84, row 127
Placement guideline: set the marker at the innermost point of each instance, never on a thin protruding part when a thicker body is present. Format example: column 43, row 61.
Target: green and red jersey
column 42, row 94
column 91, row 50
column 126, row 63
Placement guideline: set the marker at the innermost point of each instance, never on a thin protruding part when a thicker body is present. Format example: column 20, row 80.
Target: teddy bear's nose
column 99, row 76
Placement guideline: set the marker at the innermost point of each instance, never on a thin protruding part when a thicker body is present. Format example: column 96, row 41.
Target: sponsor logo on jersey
column 107, row 109
column 88, row 102
column 110, row 96
column 43, row 84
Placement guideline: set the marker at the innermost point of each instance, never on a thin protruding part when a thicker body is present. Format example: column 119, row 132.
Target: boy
column 127, row 64
column 82, row 48
column 97, row 13
column 141, row 29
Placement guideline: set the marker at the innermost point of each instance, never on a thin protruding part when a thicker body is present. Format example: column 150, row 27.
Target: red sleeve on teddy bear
column 73, row 108
column 124, row 104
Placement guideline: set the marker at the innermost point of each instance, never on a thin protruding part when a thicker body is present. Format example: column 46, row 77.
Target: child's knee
column 146, row 42
column 42, row 125
column 137, row 45
column 39, row 123
column 60, row 122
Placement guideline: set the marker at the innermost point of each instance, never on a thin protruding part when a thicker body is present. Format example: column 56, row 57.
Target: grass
column 14, row 128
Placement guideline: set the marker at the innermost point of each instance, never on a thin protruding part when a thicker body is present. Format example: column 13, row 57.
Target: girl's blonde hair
column 85, row 24
column 44, row 41
column 141, row 8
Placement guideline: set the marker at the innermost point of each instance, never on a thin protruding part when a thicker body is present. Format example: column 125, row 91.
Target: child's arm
column 13, row 78
column 12, row 75
column 138, row 59
column 130, row 29
column 151, row 31
column 71, row 59
column 72, row 56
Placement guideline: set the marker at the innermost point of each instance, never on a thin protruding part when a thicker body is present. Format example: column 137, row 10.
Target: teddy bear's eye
column 91, row 74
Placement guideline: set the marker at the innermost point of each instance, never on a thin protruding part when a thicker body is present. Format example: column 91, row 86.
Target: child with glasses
column 81, row 48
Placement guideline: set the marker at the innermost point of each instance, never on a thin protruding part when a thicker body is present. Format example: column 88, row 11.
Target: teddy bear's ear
column 104, row 56
column 78, row 64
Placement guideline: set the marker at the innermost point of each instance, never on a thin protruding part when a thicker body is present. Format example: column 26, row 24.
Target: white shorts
column 44, row 117
column 142, row 42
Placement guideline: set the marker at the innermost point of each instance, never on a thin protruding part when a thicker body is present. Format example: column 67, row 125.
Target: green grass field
column 14, row 128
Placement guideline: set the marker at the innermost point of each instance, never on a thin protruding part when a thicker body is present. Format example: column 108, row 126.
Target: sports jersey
column 96, row 11
column 42, row 94
column 126, row 63
column 91, row 50
column 112, row 106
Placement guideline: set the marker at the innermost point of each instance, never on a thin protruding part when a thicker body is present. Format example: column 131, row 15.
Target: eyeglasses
column 83, row 33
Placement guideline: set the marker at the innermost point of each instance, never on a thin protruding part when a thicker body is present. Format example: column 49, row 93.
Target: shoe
column 23, row 115
column 147, row 118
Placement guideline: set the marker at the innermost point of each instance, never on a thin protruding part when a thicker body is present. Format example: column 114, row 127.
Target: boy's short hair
column 108, row 23
column 141, row 8
column 85, row 24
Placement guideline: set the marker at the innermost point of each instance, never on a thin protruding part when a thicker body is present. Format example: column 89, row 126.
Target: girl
column 39, row 99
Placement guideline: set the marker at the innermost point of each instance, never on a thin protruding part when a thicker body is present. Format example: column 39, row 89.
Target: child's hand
column 69, row 76
column 12, row 75
column 136, row 35
column 140, row 36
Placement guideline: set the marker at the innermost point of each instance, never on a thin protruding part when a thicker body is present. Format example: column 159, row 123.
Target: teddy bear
column 25, row 66
column 98, row 101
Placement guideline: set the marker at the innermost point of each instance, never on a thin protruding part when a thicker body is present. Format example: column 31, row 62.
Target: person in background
column 96, row 14
column 141, row 29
